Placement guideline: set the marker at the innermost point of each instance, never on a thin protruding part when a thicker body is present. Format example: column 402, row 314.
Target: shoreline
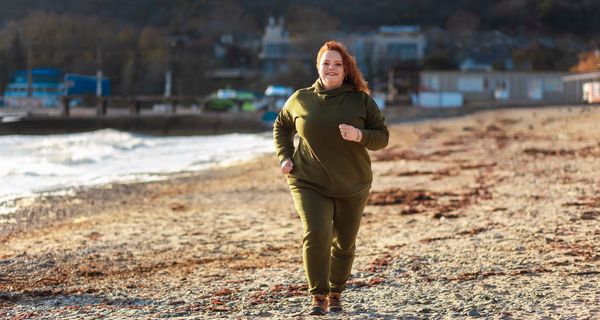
column 22, row 205
column 61, row 163
column 489, row 215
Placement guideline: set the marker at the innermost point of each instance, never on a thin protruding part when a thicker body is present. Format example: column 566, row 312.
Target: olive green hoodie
column 324, row 161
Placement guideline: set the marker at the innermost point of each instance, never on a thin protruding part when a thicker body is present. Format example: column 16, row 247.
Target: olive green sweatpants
column 330, row 229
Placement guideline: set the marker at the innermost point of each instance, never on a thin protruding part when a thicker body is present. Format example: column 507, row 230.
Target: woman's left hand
column 350, row 133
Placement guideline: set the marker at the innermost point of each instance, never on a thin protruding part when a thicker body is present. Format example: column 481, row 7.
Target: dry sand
column 493, row 215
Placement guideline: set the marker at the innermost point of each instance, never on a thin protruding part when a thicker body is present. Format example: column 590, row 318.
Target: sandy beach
column 493, row 215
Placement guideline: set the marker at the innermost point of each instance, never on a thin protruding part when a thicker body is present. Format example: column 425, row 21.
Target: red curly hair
column 353, row 74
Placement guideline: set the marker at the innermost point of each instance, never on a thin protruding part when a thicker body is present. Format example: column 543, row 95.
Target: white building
column 505, row 87
column 276, row 48
column 376, row 53
column 394, row 44
column 582, row 87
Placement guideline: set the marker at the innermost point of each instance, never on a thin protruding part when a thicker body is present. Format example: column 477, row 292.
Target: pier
column 150, row 114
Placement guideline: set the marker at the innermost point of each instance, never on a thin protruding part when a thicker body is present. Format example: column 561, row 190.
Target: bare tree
column 463, row 25
column 310, row 27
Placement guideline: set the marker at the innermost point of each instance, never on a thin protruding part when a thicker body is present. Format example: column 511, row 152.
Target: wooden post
column 131, row 104
column 104, row 105
column 138, row 107
column 173, row 106
column 392, row 90
column 101, row 106
column 66, row 111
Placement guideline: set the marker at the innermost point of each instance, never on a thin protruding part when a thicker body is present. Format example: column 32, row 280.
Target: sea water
column 33, row 164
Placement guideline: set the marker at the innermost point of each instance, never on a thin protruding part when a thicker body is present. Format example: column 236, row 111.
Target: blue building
column 48, row 85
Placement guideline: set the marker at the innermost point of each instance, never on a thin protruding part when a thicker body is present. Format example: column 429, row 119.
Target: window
column 432, row 83
column 502, row 89
column 402, row 51
column 277, row 49
column 534, row 89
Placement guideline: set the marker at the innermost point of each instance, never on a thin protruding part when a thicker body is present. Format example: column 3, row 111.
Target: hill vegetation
column 136, row 41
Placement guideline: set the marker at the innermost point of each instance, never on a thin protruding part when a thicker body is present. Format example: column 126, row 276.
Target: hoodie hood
column 331, row 96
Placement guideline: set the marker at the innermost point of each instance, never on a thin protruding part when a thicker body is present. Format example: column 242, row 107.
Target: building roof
column 582, row 76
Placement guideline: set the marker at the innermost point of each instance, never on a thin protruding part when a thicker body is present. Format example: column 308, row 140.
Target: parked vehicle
column 232, row 100
column 277, row 96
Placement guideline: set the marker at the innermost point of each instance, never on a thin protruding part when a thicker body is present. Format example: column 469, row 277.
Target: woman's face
column 331, row 69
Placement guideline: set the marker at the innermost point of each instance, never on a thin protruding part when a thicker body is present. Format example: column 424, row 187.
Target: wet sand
column 492, row 215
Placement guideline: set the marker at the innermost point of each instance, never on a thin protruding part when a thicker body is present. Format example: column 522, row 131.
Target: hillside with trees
column 134, row 42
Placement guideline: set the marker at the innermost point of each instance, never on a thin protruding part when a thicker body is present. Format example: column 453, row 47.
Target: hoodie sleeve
column 284, row 129
column 375, row 134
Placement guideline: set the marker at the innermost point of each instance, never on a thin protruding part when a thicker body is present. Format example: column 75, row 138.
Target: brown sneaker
column 319, row 305
column 335, row 302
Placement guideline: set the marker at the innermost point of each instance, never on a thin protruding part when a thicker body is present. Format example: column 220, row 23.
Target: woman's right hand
column 287, row 166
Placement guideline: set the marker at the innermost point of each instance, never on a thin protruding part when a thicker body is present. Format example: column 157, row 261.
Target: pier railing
column 133, row 104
